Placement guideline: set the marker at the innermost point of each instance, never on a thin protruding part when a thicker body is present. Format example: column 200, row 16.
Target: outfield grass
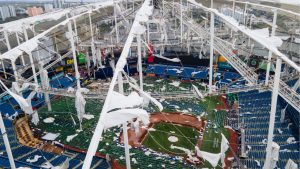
column 158, row 140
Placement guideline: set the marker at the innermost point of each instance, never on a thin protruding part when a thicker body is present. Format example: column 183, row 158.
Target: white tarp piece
column 80, row 102
column 291, row 165
column 212, row 158
column 50, row 136
column 118, row 100
column 275, row 154
column 34, row 159
column 122, row 116
column 187, row 151
column 168, row 59
column 147, row 96
column 200, row 95
column 35, row 118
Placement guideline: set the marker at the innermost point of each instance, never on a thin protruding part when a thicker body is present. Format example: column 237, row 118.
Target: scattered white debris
column 264, row 141
column 79, row 130
column 69, row 138
column 151, row 129
column 230, row 158
column 184, row 111
column 35, row 159
column 161, row 100
column 47, row 164
column 173, row 139
column 147, row 153
column 257, row 163
column 49, row 120
column 228, row 127
column 175, row 83
column 50, row 136
column 280, row 131
column 134, row 161
column 291, row 140
column 88, row 116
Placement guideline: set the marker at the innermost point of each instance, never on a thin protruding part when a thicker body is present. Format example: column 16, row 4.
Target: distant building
column 7, row 11
column 58, row 3
column 21, row 11
column 48, row 7
column 34, row 11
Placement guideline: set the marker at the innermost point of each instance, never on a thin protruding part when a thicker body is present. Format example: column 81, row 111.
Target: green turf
column 64, row 108
column 158, row 140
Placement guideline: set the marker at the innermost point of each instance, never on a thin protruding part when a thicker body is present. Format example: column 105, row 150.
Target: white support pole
column 7, row 145
column 18, row 41
column 75, row 27
column 270, row 53
column 133, row 5
column 275, row 90
column 181, row 24
column 92, row 38
column 88, row 61
column 91, row 26
column 245, row 12
column 127, row 155
column 56, row 46
column 47, row 98
column 163, row 8
column 13, row 64
column 233, row 8
column 33, row 67
column 25, row 33
column 99, row 56
column 7, row 40
column 188, row 40
column 148, row 32
column 116, row 23
column 3, row 67
column 17, row 37
column 211, row 56
column 243, row 149
column 125, row 133
column 71, row 39
column 139, row 50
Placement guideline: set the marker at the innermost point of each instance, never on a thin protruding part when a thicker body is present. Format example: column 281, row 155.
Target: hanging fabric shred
column 122, row 116
column 212, row 158
column 80, row 103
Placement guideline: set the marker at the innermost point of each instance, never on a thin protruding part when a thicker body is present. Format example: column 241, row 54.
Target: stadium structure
column 152, row 84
